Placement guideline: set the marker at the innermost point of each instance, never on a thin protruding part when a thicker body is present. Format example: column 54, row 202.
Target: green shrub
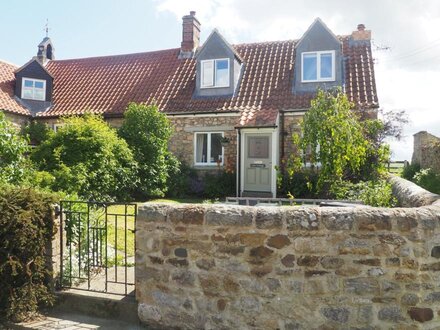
column 37, row 132
column 373, row 193
column 183, row 183
column 14, row 166
column 147, row 132
column 220, row 184
column 26, row 226
column 428, row 180
column 86, row 157
column 189, row 183
column 301, row 184
column 410, row 170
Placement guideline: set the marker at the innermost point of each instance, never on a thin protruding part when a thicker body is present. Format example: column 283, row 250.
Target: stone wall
column 17, row 120
column 426, row 151
column 237, row 267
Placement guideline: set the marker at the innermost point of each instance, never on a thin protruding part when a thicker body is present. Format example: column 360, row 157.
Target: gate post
column 53, row 250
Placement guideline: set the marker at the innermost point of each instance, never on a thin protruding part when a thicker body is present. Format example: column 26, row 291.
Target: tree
column 332, row 137
column 13, row 149
column 147, row 132
column 376, row 132
column 87, row 157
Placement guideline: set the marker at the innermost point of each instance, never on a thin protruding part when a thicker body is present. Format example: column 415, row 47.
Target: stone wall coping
column 415, row 201
column 291, row 218
column 411, row 195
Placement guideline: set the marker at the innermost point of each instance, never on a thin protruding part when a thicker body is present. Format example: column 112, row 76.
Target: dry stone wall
column 237, row 267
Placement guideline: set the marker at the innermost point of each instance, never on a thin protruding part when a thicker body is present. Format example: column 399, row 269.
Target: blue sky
column 407, row 73
column 84, row 28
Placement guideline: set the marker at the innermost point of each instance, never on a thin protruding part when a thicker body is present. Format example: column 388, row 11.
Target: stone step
column 96, row 304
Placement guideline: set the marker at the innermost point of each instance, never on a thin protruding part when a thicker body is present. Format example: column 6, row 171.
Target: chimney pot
column 192, row 13
column 361, row 34
column 361, row 27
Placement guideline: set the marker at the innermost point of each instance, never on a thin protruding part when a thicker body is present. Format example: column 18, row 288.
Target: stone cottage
column 232, row 106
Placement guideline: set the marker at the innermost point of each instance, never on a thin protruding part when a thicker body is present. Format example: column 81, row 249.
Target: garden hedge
column 26, row 227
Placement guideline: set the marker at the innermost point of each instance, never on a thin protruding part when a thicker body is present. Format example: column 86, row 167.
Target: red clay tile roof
column 106, row 85
column 7, row 82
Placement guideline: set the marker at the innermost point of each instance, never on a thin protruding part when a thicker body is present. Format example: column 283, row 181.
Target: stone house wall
column 237, row 267
column 291, row 126
column 17, row 120
column 426, row 151
column 182, row 141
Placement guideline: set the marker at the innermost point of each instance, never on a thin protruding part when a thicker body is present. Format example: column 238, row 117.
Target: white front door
column 257, row 161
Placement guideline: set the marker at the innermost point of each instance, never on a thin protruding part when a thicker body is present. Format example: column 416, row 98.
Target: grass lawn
column 119, row 232
column 116, row 227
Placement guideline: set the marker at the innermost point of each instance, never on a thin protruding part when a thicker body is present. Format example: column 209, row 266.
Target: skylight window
column 318, row 66
column 33, row 89
column 215, row 73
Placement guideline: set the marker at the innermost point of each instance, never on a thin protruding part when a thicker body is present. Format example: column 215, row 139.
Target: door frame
column 274, row 155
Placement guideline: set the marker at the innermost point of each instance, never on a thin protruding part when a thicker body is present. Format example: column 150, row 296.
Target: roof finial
column 46, row 28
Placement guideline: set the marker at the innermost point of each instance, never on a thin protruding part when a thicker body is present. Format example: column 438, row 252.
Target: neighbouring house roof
column 7, row 82
column 105, row 85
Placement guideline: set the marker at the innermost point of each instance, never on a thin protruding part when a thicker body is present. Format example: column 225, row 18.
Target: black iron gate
column 98, row 246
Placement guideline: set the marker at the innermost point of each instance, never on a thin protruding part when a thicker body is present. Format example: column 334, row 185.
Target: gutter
column 257, row 127
column 172, row 114
column 216, row 113
column 238, row 187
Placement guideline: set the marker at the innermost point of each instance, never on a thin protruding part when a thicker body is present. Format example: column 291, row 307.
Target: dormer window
column 215, row 73
column 33, row 89
column 318, row 66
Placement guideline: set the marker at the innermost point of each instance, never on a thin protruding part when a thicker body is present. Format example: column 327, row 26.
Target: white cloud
column 406, row 76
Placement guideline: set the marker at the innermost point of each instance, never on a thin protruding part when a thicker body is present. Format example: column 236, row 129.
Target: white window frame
column 33, row 89
column 56, row 127
column 318, row 66
column 208, row 149
column 214, row 65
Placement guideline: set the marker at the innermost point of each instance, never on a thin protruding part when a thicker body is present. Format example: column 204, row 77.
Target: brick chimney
column 361, row 33
column 190, row 35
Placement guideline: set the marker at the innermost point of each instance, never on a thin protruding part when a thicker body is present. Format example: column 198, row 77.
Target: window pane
column 258, row 147
column 39, row 94
column 222, row 64
column 28, row 83
column 309, row 67
column 216, row 147
column 28, row 94
column 326, row 65
column 201, row 148
column 39, row 84
column 207, row 73
column 222, row 73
